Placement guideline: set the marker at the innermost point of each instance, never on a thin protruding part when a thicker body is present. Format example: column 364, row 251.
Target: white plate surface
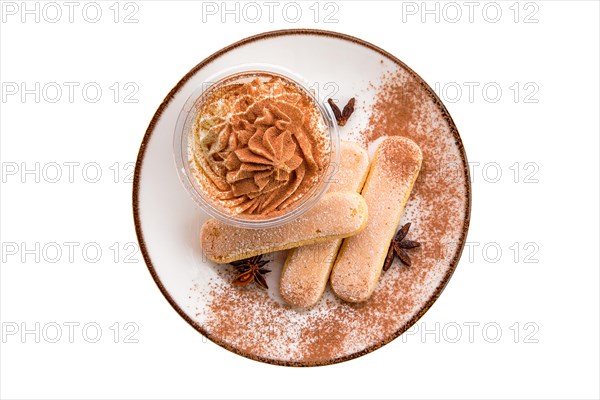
column 168, row 221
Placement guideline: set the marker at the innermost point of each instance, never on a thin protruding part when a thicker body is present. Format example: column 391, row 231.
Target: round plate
column 391, row 99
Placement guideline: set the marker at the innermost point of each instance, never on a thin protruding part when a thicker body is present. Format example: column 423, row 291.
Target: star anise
column 342, row 116
column 251, row 270
column 399, row 246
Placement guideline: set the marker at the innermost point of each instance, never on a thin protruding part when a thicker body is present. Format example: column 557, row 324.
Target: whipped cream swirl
column 259, row 146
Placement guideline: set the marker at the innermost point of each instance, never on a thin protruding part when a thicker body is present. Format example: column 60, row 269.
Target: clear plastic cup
column 183, row 133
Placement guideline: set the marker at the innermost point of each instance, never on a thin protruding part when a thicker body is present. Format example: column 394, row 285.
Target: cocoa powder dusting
column 258, row 324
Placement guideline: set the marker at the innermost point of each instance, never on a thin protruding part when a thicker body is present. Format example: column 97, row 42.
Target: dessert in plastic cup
column 254, row 147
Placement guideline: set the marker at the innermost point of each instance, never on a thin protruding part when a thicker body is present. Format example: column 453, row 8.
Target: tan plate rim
column 169, row 97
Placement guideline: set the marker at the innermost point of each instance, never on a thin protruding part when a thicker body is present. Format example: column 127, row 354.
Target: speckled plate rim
column 269, row 35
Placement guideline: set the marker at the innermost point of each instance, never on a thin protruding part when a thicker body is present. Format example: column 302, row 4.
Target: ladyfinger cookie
column 393, row 172
column 307, row 268
column 337, row 215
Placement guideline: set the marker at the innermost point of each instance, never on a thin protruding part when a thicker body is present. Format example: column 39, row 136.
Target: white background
column 543, row 299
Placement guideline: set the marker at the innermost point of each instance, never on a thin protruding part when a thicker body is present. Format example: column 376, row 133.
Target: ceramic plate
column 391, row 100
